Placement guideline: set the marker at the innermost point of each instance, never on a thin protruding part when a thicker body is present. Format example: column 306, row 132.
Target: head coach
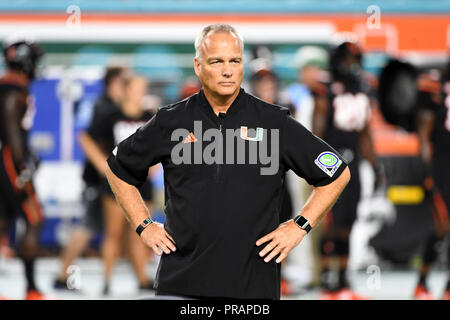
column 224, row 154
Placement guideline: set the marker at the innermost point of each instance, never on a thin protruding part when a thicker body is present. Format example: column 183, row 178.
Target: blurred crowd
column 334, row 97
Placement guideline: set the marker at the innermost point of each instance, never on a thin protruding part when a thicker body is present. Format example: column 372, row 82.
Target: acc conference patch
column 328, row 162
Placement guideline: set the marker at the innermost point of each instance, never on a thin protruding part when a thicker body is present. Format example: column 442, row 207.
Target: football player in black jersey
column 17, row 163
column 434, row 135
column 341, row 115
column 105, row 132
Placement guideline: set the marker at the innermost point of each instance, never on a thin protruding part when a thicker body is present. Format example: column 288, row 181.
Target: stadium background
column 155, row 38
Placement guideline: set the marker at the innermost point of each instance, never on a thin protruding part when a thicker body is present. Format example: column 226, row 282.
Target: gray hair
column 215, row 28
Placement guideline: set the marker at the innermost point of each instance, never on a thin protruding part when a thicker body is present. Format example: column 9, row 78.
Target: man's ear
column 196, row 66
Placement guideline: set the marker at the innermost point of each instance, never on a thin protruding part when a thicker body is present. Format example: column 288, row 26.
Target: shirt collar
column 236, row 106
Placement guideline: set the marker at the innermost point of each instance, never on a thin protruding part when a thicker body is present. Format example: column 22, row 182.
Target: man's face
column 220, row 67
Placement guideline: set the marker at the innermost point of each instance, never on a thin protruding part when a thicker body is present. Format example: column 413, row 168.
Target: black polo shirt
column 216, row 211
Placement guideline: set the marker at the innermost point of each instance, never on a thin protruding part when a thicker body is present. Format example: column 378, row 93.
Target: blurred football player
column 433, row 128
column 341, row 117
column 17, row 163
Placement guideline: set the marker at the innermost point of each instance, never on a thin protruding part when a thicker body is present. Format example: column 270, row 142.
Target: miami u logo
column 257, row 137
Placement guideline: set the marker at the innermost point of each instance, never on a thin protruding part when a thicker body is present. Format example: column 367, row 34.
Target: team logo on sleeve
column 328, row 162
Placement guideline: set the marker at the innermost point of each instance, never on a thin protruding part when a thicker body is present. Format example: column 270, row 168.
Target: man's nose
column 227, row 71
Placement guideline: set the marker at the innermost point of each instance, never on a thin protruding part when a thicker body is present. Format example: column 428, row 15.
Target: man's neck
column 220, row 104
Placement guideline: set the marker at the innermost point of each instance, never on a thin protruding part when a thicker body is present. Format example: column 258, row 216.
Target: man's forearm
column 288, row 235
column 323, row 198
column 129, row 199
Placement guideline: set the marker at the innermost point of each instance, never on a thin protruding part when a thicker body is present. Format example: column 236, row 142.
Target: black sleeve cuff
column 122, row 173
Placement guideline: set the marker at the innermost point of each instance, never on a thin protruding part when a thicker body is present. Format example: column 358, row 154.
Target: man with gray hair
column 224, row 154
column 216, row 28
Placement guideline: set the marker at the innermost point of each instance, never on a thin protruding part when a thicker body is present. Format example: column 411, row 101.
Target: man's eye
column 236, row 61
column 215, row 62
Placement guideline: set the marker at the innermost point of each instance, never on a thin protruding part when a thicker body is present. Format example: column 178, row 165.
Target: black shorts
column 146, row 190
column 93, row 209
column 344, row 212
column 16, row 202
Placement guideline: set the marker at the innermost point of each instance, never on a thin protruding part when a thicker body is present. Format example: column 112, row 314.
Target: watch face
column 303, row 223
column 145, row 223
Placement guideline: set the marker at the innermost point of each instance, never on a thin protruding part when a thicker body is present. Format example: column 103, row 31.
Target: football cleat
column 421, row 293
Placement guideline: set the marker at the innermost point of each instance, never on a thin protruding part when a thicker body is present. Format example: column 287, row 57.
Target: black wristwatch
column 143, row 225
column 303, row 223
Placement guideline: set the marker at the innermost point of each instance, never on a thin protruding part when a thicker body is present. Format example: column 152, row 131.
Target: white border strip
column 168, row 33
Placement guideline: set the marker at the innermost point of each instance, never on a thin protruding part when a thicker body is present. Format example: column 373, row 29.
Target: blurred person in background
column 434, row 135
column 265, row 85
column 311, row 63
column 341, row 117
column 189, row 87
column 105, row 132
column 92, row 223
column 17, row 162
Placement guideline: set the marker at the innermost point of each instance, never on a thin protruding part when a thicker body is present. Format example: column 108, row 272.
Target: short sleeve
column 309, row 156
column 131, row 159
